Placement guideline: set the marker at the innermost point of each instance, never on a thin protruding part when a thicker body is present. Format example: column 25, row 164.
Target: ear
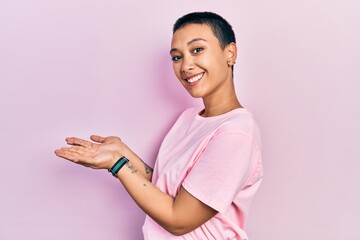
column 231, row 51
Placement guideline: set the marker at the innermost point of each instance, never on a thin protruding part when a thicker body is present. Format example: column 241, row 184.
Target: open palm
column 102, row 153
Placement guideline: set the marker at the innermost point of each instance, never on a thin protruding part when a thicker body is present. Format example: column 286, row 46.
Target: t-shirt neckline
column 199, row 111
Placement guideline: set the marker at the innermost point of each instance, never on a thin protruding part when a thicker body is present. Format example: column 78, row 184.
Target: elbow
column 178, row 230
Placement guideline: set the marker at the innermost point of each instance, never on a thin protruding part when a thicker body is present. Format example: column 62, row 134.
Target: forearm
column 178, row 215
column 154, row 202
column 139, row 164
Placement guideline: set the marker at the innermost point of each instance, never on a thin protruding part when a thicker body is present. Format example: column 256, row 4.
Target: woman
column 209, row 164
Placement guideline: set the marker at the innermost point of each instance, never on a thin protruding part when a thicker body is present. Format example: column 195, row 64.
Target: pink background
column 82, row 67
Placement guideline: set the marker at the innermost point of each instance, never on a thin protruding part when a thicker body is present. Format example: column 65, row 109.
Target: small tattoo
column 148, row 169
column 131, row 167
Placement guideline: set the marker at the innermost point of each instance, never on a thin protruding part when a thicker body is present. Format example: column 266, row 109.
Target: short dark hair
column 219, row 26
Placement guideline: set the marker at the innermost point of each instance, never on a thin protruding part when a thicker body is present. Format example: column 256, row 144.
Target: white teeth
column 194, row 79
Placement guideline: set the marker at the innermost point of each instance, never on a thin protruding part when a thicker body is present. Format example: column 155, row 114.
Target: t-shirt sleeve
column 221, row 171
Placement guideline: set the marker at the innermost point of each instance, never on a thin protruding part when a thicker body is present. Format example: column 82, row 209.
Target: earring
column 229, row 63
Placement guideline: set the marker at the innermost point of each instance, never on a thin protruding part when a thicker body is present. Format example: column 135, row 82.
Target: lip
column 192, row 76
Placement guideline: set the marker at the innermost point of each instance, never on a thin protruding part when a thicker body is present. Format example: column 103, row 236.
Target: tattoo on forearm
column 131, row 167
column 148, row 169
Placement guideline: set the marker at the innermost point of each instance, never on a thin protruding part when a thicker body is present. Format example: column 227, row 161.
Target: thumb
column 97, row 138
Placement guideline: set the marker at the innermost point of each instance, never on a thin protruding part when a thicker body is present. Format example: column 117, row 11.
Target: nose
column 187, row 65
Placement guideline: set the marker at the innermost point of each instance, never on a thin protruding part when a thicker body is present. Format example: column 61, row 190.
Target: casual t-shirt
column 218, row 161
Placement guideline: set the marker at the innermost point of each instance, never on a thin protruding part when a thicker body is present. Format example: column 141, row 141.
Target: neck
column 218, row 105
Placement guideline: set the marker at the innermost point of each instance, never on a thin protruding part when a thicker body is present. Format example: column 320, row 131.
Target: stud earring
column 230, row 64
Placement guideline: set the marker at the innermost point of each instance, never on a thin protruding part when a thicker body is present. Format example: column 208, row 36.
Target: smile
column 195, row 78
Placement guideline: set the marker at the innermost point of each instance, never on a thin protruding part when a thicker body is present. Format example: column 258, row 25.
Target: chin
column 195, row 94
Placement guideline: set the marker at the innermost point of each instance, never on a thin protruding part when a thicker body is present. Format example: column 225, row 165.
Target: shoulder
column 187, row 115
column 189, row 112
column 240, row 121
column 183, row 120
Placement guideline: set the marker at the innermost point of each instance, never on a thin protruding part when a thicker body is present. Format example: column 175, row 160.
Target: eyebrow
column 190, row 42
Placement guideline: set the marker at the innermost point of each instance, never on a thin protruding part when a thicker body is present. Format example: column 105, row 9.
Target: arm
column 178, row 215
column 116, row 146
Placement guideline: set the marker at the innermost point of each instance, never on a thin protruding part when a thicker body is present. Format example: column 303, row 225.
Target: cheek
column 203, row 61
column 176, row 69
column 208, row 62
column 219, row 64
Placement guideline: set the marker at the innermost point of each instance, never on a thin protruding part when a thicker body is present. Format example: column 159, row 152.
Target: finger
column 69, row 155
column 97, row 138
column 74, row 156
column 78, row 149
column 78, row 141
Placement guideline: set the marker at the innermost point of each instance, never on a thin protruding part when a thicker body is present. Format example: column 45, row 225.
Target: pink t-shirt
column 218, row 161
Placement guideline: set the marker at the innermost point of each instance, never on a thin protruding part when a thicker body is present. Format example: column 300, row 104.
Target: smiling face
column 201, row 65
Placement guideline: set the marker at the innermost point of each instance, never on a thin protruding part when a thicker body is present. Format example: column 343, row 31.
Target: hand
column 99, row 155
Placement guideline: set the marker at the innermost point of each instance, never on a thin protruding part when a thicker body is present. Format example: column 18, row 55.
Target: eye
column 175, row 58
column 197, row 50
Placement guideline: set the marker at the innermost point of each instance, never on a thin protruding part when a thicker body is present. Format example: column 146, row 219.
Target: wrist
column 118, row 152
column 116, row 167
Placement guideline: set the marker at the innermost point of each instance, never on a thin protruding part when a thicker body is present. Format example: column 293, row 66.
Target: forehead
column 192, row 31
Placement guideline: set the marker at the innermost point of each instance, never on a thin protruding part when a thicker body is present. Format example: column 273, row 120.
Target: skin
column 194, row 50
